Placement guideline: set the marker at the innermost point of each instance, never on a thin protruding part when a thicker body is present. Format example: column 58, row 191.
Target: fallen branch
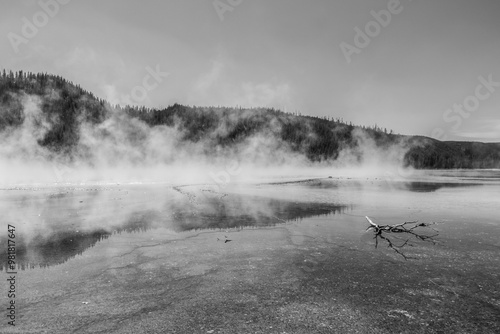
column 406, row 228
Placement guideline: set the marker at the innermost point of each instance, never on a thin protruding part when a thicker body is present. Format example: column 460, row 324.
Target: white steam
column 125, row 149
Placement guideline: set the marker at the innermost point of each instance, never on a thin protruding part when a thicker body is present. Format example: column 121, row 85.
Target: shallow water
column 291, row 257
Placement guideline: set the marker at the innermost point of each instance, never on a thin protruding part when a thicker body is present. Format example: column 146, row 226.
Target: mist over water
column 129, row 206
column 232, row 167
column 65, row 202
column 126, row 149
column 56, row 224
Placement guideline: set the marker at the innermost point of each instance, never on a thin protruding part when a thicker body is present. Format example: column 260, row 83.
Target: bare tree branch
column 407, row 229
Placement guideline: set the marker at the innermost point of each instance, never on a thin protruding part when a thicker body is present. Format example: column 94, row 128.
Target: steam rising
column 126, row 149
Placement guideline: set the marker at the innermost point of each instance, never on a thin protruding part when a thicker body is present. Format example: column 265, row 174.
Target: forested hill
column 57, row 110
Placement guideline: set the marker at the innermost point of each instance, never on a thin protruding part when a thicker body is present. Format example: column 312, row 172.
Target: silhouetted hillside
column 63, row 116
column 454, row 154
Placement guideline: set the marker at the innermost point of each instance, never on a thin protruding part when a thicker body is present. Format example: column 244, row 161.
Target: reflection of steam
column 244, row 211
column 400, row 232
column 67, row 223
column 56, row 247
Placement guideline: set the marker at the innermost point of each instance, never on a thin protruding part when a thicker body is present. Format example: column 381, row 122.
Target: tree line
column 318, row 138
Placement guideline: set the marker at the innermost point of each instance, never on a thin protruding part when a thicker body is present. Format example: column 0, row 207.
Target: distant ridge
column 65, row 109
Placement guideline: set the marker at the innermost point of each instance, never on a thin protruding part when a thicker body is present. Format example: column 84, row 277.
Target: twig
column 406, row 228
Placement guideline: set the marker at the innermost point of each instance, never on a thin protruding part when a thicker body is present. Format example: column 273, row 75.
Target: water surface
column 291, row 257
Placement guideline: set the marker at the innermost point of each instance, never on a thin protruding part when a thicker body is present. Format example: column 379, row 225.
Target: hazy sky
column 405, row 73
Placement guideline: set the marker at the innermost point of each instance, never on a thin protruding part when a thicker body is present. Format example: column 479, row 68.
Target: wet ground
column 280, row 257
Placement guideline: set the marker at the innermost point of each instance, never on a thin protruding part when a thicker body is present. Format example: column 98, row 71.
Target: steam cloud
column 126, row 149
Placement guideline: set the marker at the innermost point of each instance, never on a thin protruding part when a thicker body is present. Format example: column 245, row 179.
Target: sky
column 418, row 67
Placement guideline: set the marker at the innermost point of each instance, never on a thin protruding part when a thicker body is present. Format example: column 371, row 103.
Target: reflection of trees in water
column 226, row 212
column 414, row 186
column 433, row 186
column 398, row 236
column 58, row 246
column 247, row 211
